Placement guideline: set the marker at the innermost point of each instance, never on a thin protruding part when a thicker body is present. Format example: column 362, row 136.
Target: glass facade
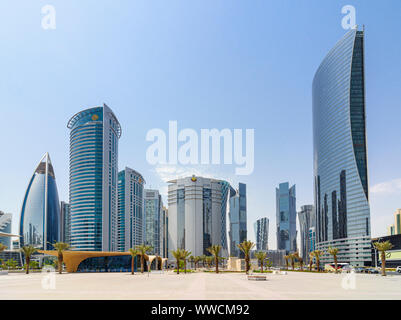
column 238, row 221
column 261, row 227
column 108, row 264
column 5, row 226
column 306, row 218
column 153, row 213
column 340, row 157
column 40, row 214
column 93, row 179
column 130, row 209
column 65, row 234
column 286, row 216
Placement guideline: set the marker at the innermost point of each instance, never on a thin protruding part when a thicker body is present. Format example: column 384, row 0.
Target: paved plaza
column 198, row 286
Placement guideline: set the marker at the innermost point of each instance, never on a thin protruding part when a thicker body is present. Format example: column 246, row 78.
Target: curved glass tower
column 340, row 155
column 93, row 179
column 40, row 214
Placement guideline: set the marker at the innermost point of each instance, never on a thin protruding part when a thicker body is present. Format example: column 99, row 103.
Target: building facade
column 237, row 221
column 396, row 227
column 261, row 227
column 341, row 192
column 94, row 135
column 306, row 218
column 286, row 216
column 5, row 226
column 40, row 213
column 164, row 233
column 393, row 256
column 130, row 209
column 65, row 226
column 194, row 214
column 153, row 206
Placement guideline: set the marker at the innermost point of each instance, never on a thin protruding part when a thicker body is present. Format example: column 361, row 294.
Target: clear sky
column 206, row 64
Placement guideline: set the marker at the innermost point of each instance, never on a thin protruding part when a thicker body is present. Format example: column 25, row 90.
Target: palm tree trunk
column 142, row 262
column 383, row 254
column 178, row 266
column 217, row 264
column 261, row 266
column 27, row 260
column 335, row 262
column 132, row 265
column 185, row 266
column 60, row 263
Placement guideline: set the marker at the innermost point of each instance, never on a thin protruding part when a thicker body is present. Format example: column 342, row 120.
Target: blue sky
column 207, row 64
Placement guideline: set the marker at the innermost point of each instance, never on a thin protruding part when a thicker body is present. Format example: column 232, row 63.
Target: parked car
column 371, row 270
column 359, row 270
column 398, row 269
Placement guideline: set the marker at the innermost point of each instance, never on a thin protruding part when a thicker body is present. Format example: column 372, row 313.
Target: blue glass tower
column 238, row 224
column 93, row 179
column 286, row 218
column 340, row 152
column 40, row 214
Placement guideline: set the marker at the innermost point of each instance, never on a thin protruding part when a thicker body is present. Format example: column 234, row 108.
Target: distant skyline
column 205, row 65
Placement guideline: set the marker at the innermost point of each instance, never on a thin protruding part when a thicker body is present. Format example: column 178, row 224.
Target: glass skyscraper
column 65, row 226
column 130, row 209
column 5, row 226
column 40, row 213
column 306, row 218
column 93, row 179
column 237, row 221
column 340, row 152
column 261, row 227
column 153, row 207
column 286, row 217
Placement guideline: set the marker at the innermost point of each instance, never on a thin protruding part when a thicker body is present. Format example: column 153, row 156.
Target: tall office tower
column 286, row 216
column 397, row 221
column 237, row 217
column 340, row 153
column 164, row 233
column 227, row 192
column 130, row 209
column 306, row 218
column 153, row 205
column 65, row 225
column 5, row 226
column 93, row 179
column 40, row 213
column 195, row 214
column 261, row 227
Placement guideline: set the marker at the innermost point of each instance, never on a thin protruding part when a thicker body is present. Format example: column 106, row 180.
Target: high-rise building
column 286, row 216
column 65, row 226
column 153, row 206
column 340, row 153
column 396, row 227
column 237, row 220
column 194, row 214
column 5, row 226
column 130, row 209
column 164, row 233
column 227, row 192
column 40, row 213
column 306, row 218
column 312, row 239
column 261, row 227
column 93, row 179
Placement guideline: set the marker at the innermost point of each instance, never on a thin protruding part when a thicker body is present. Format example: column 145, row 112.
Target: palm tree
column 184, row 256
column 333, row 252
column 209, row 261
column 215, row 250
column 203, row 259
column 301, row 260
column 177, row 254
column 197, row 260
column 192, row 260
column 143, row 249
column 2, row 247
column 317, row 254
column 246, row 248
column 287, row 258
column 28, row 251
column 382, row 247
column 11, row 264
column 293, row 257
column 311, row 256
column 60, row 247
column 133, row 253
column 261, row 256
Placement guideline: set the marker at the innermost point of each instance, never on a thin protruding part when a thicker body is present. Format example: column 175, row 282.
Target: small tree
column 184, row 256
column 311, row 256
column 143, row 250
column 215, row 251
column 334, row 252
column 317, row 254
column 133, row 253
column 246, row 247
column 28, row 251
column 177, row 254
column 293, row 257
column 287, row 258
column 196, row 261
column 261, row 256
column 382, row 247
column 11, row 264
column 60, row 247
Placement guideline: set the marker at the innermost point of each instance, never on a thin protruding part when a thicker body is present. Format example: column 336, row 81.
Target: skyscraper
column 340, row 152
column 396, row 227
column 194, row 214
column 261, row 227
column 40, row 213
column 153, row 217
column 286, row 216
column 306, row 218
column 93, row 179
column 5, row 226
column 130, row 209
column 65, row 225
column 164, row 233
column 237, row 221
